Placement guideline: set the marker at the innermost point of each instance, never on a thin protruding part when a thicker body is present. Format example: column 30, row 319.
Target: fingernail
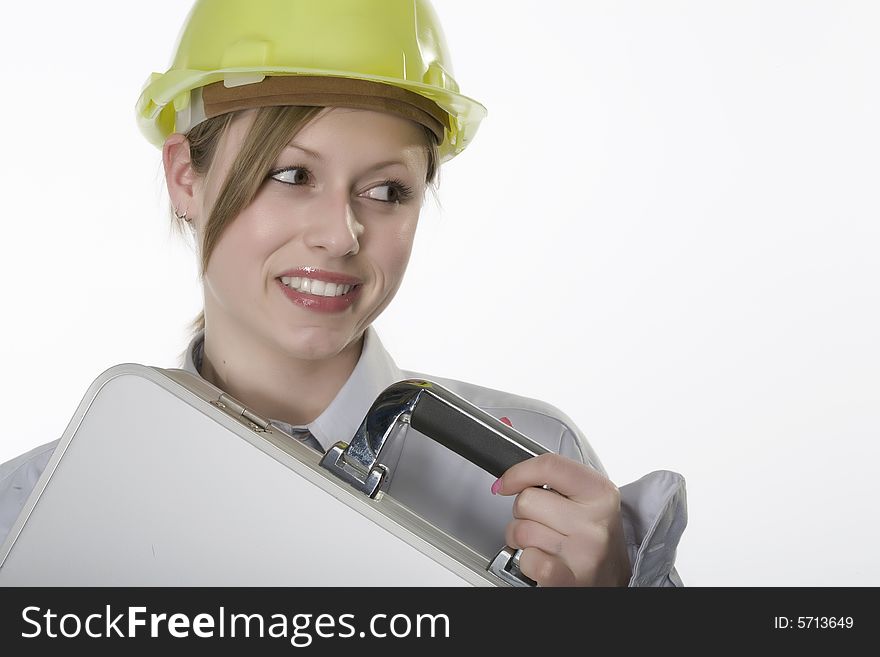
column 506, row 421
column 496, row 486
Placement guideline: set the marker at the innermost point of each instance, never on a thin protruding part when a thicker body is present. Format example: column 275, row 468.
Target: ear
column 180, row 177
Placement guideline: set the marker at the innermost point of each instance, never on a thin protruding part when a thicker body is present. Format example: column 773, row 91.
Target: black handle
column 470, row 432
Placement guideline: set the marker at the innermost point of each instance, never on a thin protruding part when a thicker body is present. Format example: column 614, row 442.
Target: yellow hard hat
column 378, row 54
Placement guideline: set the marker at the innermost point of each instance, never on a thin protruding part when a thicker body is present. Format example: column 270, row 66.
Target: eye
column 291, row 175
column 391, row 191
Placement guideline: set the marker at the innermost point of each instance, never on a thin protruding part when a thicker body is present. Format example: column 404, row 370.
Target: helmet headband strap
column 314, row 91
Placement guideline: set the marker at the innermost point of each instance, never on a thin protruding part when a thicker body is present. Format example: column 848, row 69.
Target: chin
column 317, row 343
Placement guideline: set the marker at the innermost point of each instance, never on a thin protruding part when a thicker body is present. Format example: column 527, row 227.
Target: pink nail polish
column 496, row 486
column 506, row 421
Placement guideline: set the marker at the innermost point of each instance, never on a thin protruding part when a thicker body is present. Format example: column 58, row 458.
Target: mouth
column 318, row 290
column 318, row 283
column 316, row 287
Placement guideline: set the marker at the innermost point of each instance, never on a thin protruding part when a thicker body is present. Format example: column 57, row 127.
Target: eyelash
column 405, row 192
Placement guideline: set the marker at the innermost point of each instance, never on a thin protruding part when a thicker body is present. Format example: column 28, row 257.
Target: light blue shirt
column 438, row 484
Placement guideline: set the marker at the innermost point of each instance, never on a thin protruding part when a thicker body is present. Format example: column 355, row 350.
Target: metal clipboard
column 161, row 479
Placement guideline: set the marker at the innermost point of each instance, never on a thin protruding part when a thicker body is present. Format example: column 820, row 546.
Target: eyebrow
column 304, row 150
column 375, row 167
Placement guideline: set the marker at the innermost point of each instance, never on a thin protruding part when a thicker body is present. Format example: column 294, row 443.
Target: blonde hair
column 271, row 131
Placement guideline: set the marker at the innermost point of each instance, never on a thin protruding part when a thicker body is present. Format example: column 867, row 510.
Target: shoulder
column 535, row 418
column 18, row 477
column 31, row 462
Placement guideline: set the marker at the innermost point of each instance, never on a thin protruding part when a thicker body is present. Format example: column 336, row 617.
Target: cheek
column 243, row 246
column 392, row 247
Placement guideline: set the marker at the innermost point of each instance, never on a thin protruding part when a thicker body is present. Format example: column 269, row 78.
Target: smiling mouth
column 316, row 287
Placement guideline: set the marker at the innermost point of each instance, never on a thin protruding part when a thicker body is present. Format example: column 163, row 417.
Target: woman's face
column 321, row 250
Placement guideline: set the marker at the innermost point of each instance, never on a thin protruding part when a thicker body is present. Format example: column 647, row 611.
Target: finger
column 589, row 557
column 561, row 513
column 521, row 534
column 545, row 569
column 566, row 476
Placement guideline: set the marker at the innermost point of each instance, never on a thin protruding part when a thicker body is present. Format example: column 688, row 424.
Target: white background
column 667, row 227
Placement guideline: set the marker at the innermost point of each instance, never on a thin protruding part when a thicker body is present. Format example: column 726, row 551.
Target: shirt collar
column 375, row 371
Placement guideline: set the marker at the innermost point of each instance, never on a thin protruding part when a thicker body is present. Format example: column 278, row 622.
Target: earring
column 182, row 216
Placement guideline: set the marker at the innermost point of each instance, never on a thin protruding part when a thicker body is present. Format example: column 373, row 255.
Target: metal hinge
column 506, row 566
column 235, row 409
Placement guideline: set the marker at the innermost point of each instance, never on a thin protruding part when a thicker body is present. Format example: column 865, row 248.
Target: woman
column 299, row 140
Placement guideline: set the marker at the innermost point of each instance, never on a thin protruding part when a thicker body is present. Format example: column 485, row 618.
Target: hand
column 571, row 535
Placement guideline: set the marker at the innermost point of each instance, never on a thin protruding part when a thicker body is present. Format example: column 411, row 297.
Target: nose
column 334, row 227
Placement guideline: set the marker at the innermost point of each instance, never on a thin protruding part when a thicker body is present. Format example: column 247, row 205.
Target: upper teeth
column 316, row 287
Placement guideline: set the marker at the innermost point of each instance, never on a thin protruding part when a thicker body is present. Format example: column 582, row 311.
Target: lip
column 321, row 304
column 320, row 275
